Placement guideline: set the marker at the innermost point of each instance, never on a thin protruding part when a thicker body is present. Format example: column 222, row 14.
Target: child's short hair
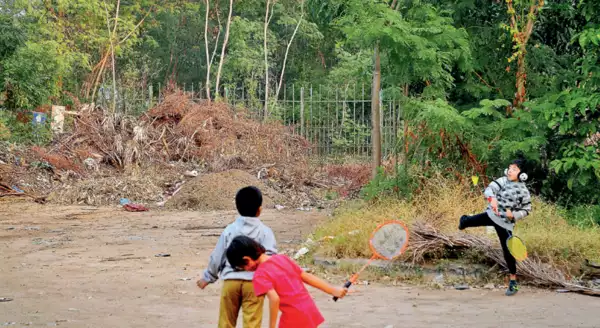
column 248, row 200
column 240, row 247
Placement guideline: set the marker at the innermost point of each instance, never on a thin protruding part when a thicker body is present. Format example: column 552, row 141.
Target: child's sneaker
column 513, row 288
column 461, row 225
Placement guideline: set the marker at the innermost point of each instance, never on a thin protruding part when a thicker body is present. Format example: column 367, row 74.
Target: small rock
column 439, row 278
column 154, row 227
column 353, row 232
column 32, row 228
column 279, row 207
column 389, row 326
column 489, row 286
column 191, row 174
column 461, row 287
column 183, row 292
column 10, row 228
column 185, row 279
column 301, row 252
column 73, row 310
column 162, row 255
column 5, row 299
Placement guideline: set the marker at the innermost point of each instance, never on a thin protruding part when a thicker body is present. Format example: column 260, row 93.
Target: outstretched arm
column 318, row 283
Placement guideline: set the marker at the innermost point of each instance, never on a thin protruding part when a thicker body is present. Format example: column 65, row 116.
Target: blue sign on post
column 38, row 121
column 38, row 118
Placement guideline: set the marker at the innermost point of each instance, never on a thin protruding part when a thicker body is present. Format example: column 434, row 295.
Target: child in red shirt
column 282, row 280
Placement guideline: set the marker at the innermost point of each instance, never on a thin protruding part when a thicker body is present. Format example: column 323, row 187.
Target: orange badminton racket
column 388, row 241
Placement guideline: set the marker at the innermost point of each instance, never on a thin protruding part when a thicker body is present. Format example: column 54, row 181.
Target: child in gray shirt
column 237, row 290
column 508, row 201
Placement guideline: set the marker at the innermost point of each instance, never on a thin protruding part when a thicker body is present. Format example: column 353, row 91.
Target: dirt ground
column 96, row 267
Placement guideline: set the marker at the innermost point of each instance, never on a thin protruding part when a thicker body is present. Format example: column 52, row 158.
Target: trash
column 163, row 255
column 461, row 287
column 10, row 228
column 32, row 228
column 135, row 208
column 91, row 164
column 15, row 188
column 279, row 207
column 191, row 174
column 353, row 232
column 304, row 209
column 5, row 299
column 301, row 252
column 562, row 291
column 185, row 279
column 124, row 201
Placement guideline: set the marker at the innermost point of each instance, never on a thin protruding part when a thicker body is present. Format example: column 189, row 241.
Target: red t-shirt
column 298, row 310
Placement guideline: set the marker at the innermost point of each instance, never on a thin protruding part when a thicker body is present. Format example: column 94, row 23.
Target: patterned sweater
column 512, row 196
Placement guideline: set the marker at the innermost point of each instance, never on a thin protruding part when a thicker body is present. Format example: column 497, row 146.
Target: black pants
column 483, row 220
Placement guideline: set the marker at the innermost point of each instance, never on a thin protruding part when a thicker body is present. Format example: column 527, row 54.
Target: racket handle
column 346, row 285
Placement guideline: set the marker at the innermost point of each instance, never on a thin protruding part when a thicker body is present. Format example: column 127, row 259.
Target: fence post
column 302, row 111
column 150, row 96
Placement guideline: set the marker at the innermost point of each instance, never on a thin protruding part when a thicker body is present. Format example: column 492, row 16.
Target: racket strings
column 389, row 240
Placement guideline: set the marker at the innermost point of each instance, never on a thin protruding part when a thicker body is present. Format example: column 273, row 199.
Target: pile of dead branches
column 179, row 129
column 427, row 240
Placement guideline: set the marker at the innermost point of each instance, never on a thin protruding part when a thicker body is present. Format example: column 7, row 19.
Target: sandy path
column 90, row 267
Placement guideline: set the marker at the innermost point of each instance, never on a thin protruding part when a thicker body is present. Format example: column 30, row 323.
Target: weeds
column 546, row 232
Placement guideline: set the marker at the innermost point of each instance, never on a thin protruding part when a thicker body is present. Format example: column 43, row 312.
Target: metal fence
column 335, row 120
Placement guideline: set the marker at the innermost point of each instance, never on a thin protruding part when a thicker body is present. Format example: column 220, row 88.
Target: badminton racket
column 388, row 241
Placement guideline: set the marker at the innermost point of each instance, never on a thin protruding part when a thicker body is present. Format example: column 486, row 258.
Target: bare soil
column 216, row 191
column 97, row 267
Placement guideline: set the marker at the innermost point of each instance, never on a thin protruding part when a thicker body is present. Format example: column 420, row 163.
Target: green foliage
column 583, row 216
column 22, row 133
column 33, row 74
column 401, row 184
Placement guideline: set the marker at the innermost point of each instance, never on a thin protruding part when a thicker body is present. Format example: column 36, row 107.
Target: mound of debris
column 179, row 129
column 216, row 192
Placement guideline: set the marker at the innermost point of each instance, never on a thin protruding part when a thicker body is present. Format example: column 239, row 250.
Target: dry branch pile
column 180, row 129
column 427, row 240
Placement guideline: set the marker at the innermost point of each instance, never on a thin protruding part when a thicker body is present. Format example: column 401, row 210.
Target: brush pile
column 427, row 240
column 179, row 129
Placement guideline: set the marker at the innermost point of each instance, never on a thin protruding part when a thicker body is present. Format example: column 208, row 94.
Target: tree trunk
column 266, row 109
column 287, row 50
column 521, row 94
column 206, row 47
column 375, row 112
column 223, row 49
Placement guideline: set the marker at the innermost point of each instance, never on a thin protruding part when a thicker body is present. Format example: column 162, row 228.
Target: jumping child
column 282, row 280
column 237, row 285
column 509, row 201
